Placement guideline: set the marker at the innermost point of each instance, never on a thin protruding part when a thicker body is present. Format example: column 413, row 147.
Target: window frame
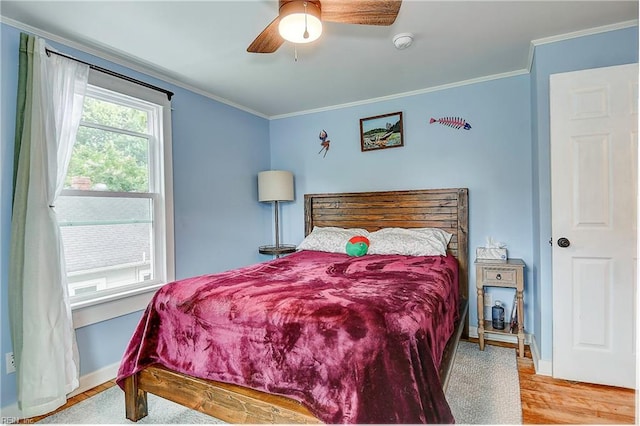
column 132, row 299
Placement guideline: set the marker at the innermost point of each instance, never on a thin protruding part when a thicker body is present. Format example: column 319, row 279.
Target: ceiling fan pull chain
column 306, row 33
column 295, row 53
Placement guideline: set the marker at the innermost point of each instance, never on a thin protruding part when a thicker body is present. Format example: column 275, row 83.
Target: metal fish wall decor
column 324, row 142
column 455, row 122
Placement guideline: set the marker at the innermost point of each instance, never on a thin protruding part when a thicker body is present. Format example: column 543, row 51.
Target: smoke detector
column 402, row 40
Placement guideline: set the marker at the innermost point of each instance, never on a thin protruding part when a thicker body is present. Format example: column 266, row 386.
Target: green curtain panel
column 21, row 154
column 25, row 71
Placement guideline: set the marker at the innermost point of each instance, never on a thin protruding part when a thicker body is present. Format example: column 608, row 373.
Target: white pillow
column 329, row 238
column 413, row 242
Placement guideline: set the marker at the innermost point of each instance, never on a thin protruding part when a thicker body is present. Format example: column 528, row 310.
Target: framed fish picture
column 381, row 131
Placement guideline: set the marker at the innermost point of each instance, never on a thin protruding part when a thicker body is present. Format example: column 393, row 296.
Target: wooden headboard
column 446, row 209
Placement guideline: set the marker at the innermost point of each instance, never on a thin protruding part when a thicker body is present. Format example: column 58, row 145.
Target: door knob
column 564, row 242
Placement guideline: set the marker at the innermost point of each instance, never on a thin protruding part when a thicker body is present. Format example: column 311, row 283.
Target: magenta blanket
column 355, row 339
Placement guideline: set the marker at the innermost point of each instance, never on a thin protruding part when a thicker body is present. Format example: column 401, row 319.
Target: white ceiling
column 202, row 45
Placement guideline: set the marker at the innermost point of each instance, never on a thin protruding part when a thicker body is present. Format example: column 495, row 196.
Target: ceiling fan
column 300, row 21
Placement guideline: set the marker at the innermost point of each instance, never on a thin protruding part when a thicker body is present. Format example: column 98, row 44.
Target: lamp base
column 277, row 251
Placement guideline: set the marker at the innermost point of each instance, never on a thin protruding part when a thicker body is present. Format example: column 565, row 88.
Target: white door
column 594, row 163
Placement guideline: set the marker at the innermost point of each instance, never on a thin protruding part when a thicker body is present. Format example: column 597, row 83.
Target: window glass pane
column 107, row 241
column 73, row 211
column 114, row 115
column 108, row 161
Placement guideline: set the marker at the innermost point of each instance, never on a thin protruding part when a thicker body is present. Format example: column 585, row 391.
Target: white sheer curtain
column 42, row 330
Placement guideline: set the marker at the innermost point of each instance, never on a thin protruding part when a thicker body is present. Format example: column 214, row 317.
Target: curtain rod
column 112, row 73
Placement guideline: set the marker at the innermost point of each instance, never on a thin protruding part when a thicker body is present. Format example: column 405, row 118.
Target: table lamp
column 275, row 186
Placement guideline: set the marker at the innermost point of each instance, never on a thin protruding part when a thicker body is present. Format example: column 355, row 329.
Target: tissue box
column 491, row 254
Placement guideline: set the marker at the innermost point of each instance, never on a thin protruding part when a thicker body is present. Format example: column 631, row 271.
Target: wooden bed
column 446, row 209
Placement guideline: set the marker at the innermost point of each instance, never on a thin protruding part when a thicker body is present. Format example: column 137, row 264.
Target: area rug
column 483, row 389
column 107, row 407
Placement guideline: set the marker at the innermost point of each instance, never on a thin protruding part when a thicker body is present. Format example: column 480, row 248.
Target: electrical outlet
column 488, row 300
column 11, row 363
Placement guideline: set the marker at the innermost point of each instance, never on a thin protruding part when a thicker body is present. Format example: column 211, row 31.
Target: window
column 115, row 209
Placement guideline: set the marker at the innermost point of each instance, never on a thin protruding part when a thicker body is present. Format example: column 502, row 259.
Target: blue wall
column 493, row 160
column 600, row 50
column 218, row 151
column 8, row 88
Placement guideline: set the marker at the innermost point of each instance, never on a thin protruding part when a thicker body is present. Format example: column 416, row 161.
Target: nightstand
column 509, row 274
column 277, row 251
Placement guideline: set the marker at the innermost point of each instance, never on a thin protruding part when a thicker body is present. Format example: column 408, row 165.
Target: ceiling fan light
column 292, row 26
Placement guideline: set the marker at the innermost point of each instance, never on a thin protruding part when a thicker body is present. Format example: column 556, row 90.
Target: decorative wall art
column 324, row 142
column 455, row 122
column 381, row 131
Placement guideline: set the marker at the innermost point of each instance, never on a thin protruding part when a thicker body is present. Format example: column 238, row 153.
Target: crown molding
column 576, row 34
column 405, row 94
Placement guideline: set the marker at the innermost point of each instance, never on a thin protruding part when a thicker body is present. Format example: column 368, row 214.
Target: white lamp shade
column 275, row 185
column 295, row 19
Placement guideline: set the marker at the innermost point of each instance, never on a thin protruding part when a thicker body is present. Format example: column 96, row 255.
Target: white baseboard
column 91, row 380
column 542, row 367
column 11, row 413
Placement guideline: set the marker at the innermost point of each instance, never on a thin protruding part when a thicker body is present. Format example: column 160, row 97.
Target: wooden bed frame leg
column 135, row 399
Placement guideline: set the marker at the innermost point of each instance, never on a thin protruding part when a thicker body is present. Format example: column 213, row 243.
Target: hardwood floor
column 545, row 400
column 73, row 401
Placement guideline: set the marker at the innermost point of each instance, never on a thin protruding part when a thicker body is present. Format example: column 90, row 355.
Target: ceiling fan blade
column 268, row 41
column 364, row 12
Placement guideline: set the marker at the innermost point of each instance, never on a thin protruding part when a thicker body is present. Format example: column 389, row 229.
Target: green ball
column 357, row 249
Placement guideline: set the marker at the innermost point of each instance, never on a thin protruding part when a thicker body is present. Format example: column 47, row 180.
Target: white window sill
column 87, row 313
